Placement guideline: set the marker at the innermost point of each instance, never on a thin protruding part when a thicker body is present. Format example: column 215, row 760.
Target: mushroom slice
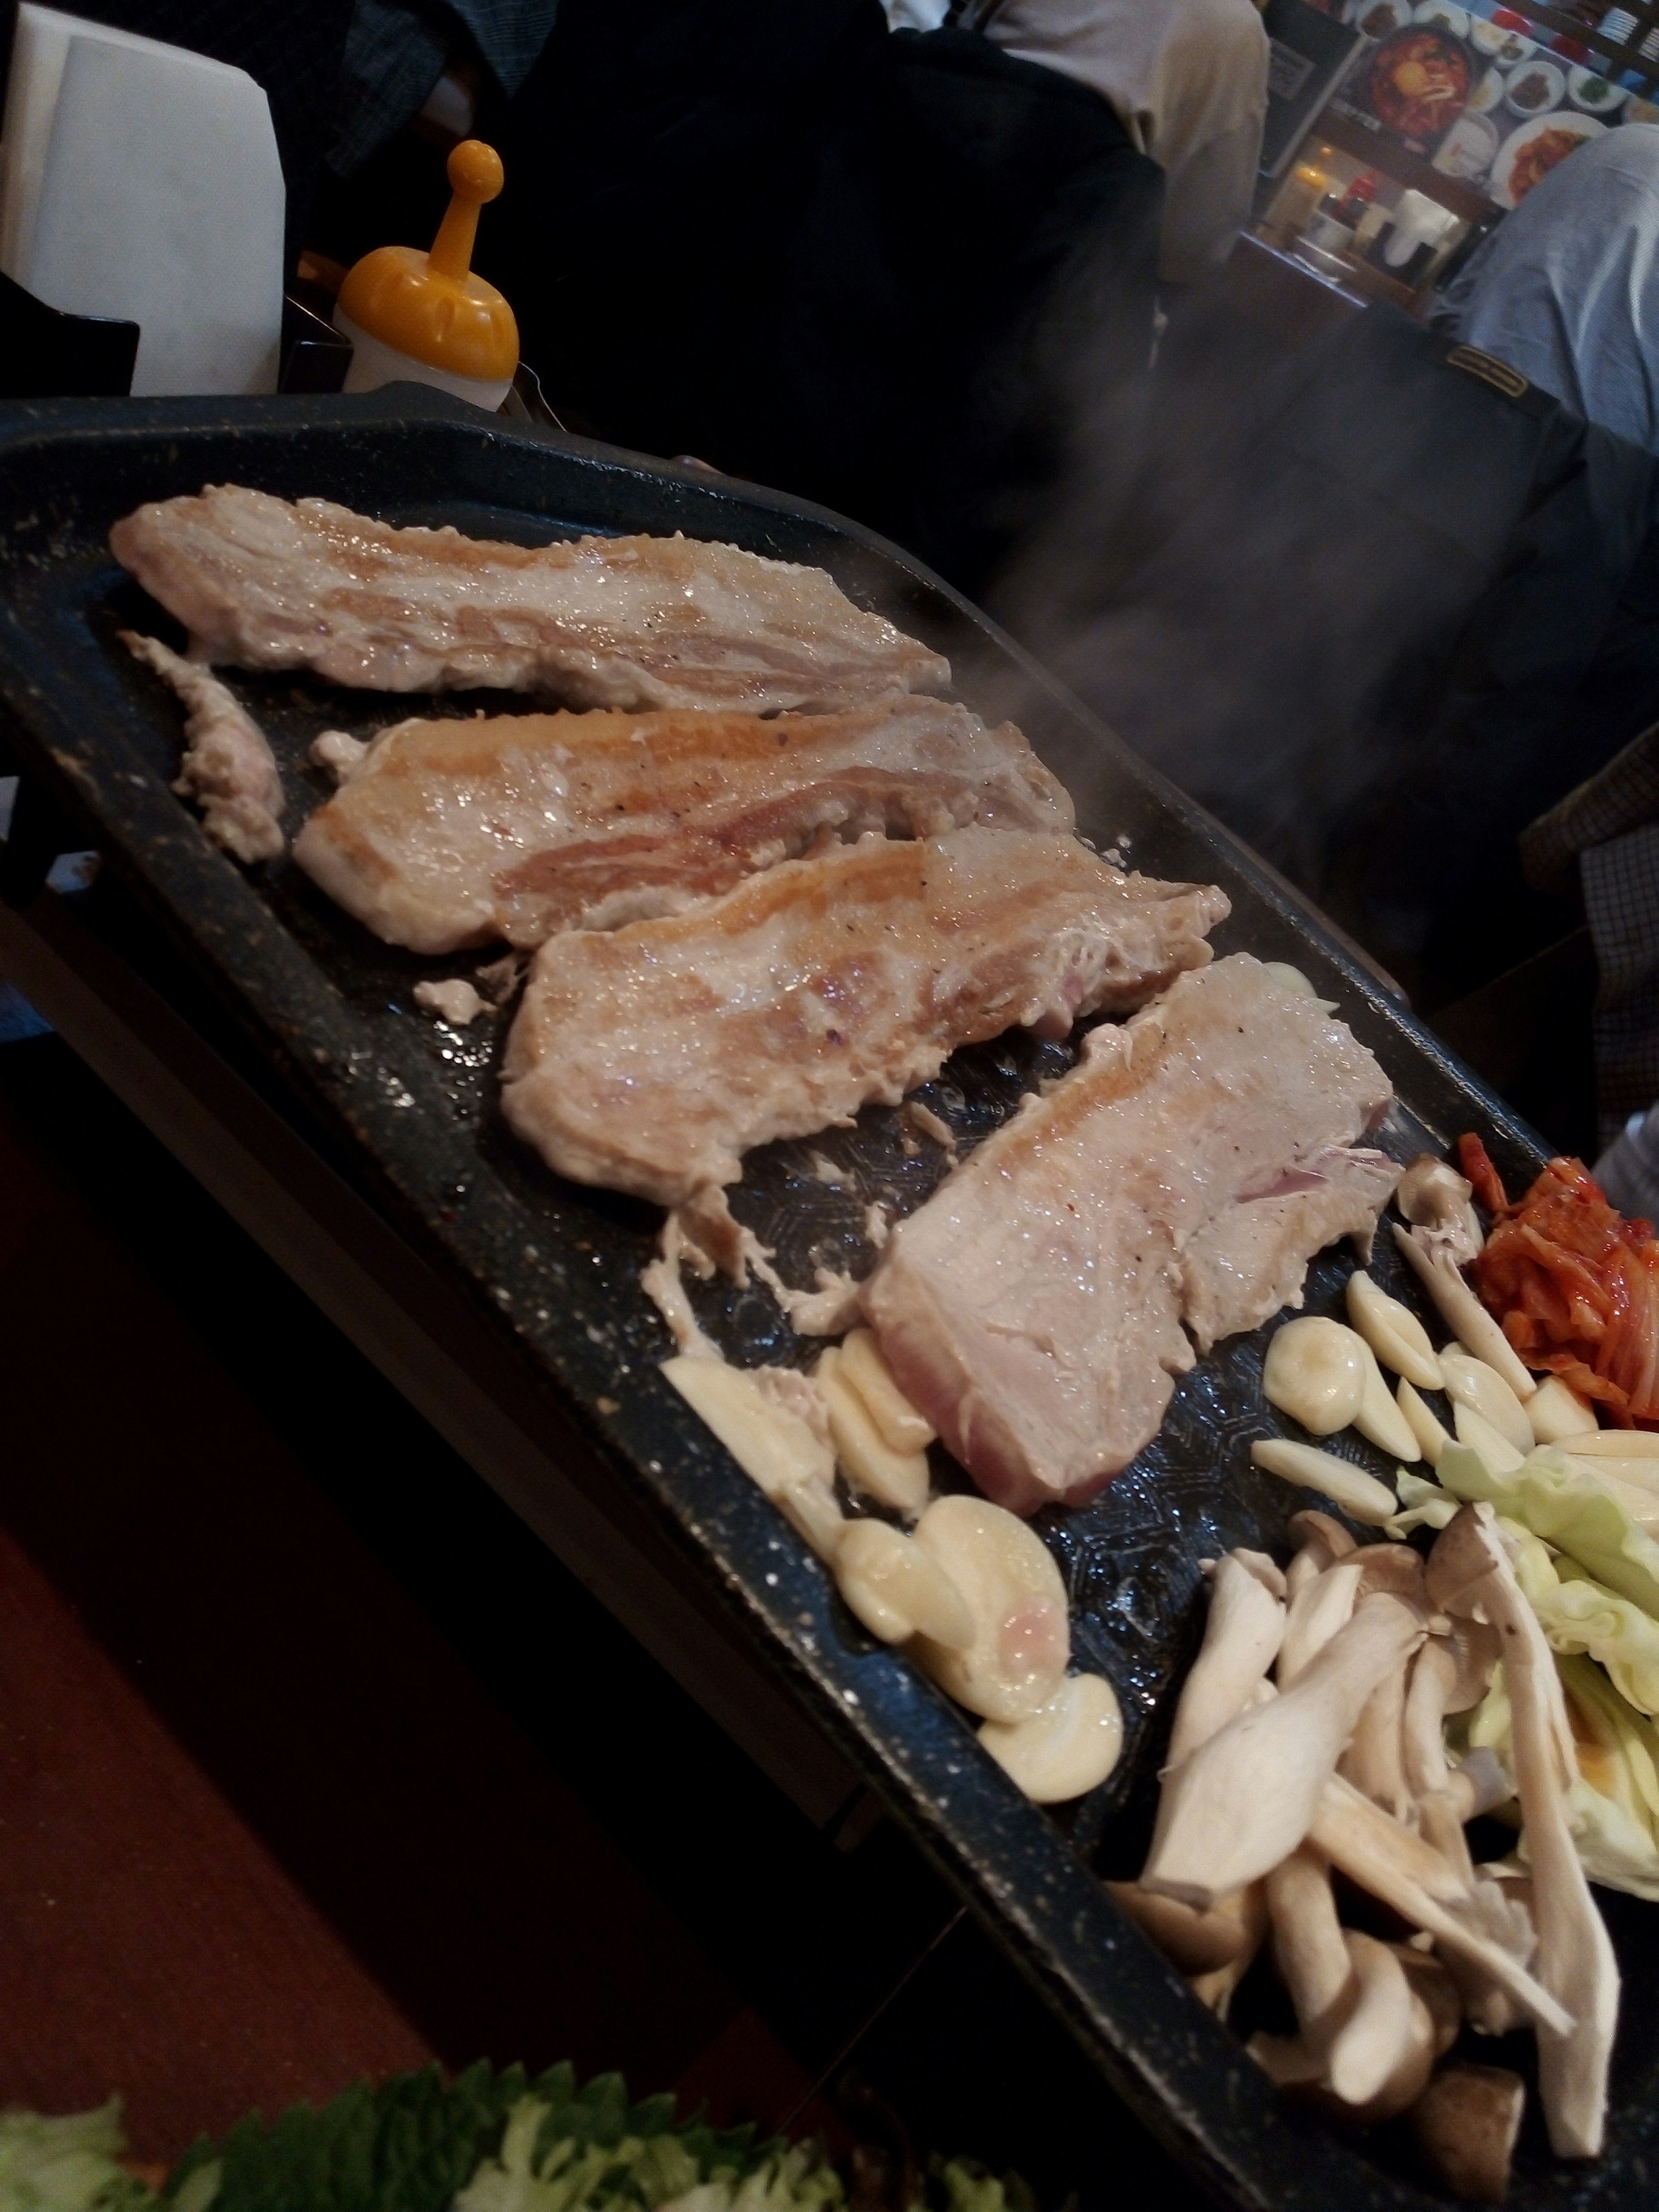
column 897, row 1589
column 1393, row 1567
column 1558, row 1414
column 1496, row 1452
column 1319, row 1609
column 1267, row 1572
column 1193, row 1942
column 1250, row 1906
column 1432, row 1195
column 1462, row 1311
column 1392, row 1864
column 1392, row 1332
column 894, row 1479
column 1430, row 1980
column 1315, row 1371
column 1241, row 1641
column 903, row 1428
column 1471, row 1382
column 1309, row 1950
column 1432, row 1439
column 1575, row 1957
column 1243, row 1801
column 776, row 1446
column 1022, row 1635
column 1381, row 1419
column 1372, row 1760
column 1465, row 2125
column 1067, row 1748
column 1320, row 1542
column 1349, row 1487
column 1384, row 2052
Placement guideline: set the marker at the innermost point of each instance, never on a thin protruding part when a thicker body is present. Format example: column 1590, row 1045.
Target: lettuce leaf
column 1569, row 1509
column 67, row 2163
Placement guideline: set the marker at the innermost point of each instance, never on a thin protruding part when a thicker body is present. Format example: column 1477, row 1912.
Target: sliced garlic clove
column 1067, row 1748
column 1432, row 1439
column 1315, row 1371
column 1470, row 1382
column 1359, row 1494
column 1609, row 1444
column 898, row 1480
column 778, row 1450
column 897, row 1589
column 1557, row 1412
column 1496, row 1452
column 1380, row 1420
column 860, row 1364
column 1392, row 1332
column 1022, row 1632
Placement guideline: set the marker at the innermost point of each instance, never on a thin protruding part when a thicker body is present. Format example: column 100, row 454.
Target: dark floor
column 314, row 1763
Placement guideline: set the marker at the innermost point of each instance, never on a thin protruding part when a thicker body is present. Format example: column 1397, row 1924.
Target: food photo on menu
column 829, row 1107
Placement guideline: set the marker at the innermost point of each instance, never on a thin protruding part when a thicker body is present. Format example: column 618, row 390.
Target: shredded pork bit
column 875, row 1226
column 499, row 980
column 341, row 754
column 228, row 768
column 453, row 1001
column 924, row 1119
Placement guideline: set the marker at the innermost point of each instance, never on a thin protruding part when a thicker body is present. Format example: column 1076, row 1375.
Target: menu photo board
column 1480, row 100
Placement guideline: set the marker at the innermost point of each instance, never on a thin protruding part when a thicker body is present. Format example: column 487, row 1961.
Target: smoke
column 1272, row 612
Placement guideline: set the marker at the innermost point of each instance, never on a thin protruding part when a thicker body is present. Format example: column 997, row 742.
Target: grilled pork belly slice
column 604, row 622
column 650, row 1058
column 457, row 833
column 1186, row 1170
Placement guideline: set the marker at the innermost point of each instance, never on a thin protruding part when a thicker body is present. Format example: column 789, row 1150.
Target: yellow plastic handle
column 476, row 176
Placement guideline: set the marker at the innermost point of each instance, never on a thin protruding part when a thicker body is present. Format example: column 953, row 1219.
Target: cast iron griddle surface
column 411, row 1101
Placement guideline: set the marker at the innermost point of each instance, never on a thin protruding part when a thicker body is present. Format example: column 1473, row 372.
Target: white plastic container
column 141, row 181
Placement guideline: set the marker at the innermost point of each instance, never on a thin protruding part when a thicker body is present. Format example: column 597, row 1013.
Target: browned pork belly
column 1187, row 1169
column 457, row 833
column 651, row 1058
column 261, row 583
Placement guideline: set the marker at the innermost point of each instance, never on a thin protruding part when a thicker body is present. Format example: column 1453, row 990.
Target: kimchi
column 1574, row 1285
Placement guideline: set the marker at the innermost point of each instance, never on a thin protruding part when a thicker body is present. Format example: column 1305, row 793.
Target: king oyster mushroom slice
column 1465, row 2125
column 1320, row 1542
column 1242, row 1638
column 1432, row 1439
column 1392, row 1332
column 899, row 1590
column 1022, row 1633
column 1471, row 1382
column 1575, row 1956
column 1396, row 1866
column 1243, row 1801
column 1066, row 1750
column 1462, row 1311
column 1356, row 1493
column 1313, row 1963
column 1317, row 1611
column 1315, row 1371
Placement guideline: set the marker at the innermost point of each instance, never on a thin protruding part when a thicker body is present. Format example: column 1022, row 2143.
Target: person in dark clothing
column 862, row 266
column 855, row 264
